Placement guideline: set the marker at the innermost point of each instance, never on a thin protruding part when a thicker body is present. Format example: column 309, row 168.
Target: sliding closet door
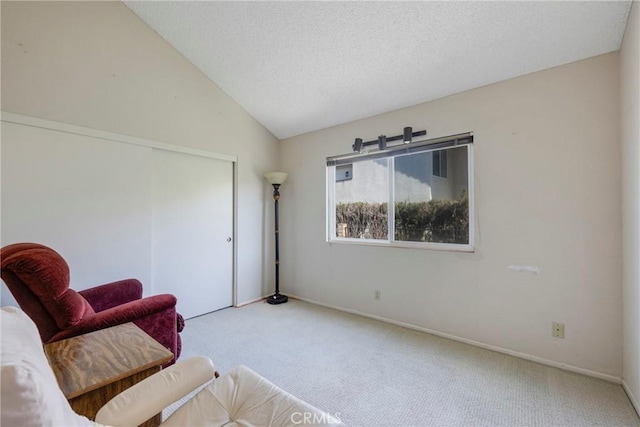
column 88, row 198
column 192, row 227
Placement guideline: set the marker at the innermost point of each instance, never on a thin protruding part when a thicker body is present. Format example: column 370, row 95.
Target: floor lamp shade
column 276, row 179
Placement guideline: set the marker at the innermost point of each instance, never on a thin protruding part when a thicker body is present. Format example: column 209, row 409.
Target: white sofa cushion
column 30, row 395
column 241, row 397
column 143, row 400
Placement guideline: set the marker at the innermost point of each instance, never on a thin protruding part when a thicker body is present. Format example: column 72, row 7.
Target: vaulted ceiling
column 301, row 66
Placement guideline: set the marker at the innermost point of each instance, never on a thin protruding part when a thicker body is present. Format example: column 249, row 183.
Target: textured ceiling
column 302, row 66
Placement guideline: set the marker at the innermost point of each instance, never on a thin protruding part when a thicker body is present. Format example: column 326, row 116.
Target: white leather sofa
column 240, row 397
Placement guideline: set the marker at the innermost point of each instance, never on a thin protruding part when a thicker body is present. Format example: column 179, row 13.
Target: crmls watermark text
column 313, row 418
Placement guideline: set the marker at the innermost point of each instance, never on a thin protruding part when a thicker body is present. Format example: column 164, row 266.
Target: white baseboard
column 251, row 301
column 566, row 367
column 631, row 396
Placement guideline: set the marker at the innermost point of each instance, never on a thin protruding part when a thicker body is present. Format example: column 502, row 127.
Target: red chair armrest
column 113, row 294
column 128, row 312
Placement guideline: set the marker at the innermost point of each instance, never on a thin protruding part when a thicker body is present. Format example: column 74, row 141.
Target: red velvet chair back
column 38, row 278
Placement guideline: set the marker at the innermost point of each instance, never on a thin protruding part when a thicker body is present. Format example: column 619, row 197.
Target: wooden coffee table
column 93, row 368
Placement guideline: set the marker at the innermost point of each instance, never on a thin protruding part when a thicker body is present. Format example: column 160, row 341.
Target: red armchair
column 38, row 278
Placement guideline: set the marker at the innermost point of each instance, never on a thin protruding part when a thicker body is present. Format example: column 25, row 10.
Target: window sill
column 447, row 247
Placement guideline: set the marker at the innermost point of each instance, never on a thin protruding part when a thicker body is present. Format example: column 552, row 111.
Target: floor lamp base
column 277, row 299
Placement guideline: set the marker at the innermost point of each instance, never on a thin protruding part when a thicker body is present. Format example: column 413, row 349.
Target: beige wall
column 630, row 111
column 97, row 65
column 547, row 182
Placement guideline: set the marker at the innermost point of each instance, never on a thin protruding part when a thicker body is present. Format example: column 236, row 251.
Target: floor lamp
column 276, row 179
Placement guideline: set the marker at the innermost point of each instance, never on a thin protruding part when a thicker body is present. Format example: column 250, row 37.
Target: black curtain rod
column 394, row 138
column 400, row 149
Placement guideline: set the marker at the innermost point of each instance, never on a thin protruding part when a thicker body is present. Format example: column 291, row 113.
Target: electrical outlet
column 557, row 329
column 376, row 295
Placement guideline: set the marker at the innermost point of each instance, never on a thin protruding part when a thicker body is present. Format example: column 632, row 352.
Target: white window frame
column 331, row 237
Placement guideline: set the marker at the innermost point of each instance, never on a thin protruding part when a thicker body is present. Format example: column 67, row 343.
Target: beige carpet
column 369, row 373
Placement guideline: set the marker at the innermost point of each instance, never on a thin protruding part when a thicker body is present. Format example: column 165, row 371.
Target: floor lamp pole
column 277, row 298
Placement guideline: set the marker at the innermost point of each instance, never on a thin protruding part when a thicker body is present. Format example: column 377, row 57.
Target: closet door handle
column 228, row 239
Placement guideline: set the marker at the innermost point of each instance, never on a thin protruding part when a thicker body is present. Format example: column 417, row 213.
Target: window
column 415, row 195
